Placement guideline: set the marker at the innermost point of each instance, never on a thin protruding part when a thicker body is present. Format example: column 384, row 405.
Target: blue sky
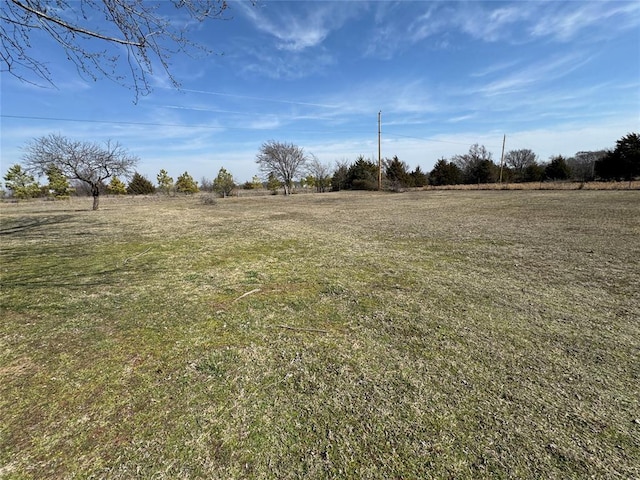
column 554, row 77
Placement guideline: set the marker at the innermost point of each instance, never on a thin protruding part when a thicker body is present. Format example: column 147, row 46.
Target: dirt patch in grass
column 466, row 334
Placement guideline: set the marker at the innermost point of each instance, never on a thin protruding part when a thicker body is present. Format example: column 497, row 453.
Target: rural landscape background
column 449, row 292
column 428, row 334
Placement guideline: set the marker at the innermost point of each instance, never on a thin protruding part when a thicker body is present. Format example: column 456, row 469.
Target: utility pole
column 379, row 156
column 504, row 139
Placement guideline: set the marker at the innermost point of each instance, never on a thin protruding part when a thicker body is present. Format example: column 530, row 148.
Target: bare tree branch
column 84, row 161
column 136, row 36
column 284, row 160
column 74, row 28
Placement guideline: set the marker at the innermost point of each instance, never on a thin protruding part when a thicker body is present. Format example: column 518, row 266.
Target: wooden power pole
column 379, row 156
column 504, row 139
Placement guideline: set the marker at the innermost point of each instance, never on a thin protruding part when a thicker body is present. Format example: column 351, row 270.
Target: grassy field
column 436, row 334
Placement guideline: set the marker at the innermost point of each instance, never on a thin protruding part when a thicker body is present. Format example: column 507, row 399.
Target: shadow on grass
column 27, row 225
column 45, row 251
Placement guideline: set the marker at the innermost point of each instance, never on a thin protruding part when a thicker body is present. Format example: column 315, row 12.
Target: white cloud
column 535, row 74
column 569, row 18
column 307, row 27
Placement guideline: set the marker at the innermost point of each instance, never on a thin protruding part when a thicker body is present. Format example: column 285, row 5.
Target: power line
column 112, row 122
column 214, row 127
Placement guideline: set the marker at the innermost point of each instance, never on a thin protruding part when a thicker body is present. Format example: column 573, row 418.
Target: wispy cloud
column 515, row 23
column 263, row 61
column 261, row 99
column 540, row 72
column 565, row 20
column 303, row 28
column 495, row 68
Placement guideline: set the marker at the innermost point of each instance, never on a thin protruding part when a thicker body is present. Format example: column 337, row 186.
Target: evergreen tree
column 165, row 182
column 476, row 165
column 309, row 181
column 534, row 173
column 397, row 174
column 186, row 184
column 623, row 162
column 58, row 183
column 557, row 169
column 445, row 173
column 483, row 171
column 223, row 184
column 419, row 178
column 256, row 183
column 340, row 177
column 21, row 184
column 253, row 184
column 116, row 187
column 140, row 185
column 362, row 175
column 273, row 183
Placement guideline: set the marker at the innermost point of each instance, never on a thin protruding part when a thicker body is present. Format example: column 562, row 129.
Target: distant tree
column 256, row 182
column 419, row 178
column 340, row 177
column 308, row 182
column 140, row 185
column 84, row 161
column 165, row 182
column 223, row 184
column 582, row 165
column 117, row 187
column 253, row 184
column 476, row 165
column 284, row 160
column 397, row 174
column 273, row 183
column 445, row 173
column 485, row 171
column 321, row 173
column 186, row 184
column 623, row 162
column 534, row 173
column 20, row 183
column 362, row 175
column 206, row 185
column 518, row 161
column 144, row 38
column 58, row 183
column 557, row 169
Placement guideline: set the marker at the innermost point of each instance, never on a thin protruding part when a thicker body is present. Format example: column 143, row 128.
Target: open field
column 435, row 334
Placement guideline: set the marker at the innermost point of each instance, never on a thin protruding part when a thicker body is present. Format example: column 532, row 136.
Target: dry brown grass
column 431, row 334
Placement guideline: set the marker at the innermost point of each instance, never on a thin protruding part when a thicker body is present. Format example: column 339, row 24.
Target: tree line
column 88, row 168
column 478, row 166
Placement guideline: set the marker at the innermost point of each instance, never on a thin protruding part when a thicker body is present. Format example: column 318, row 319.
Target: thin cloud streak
column 261, row 99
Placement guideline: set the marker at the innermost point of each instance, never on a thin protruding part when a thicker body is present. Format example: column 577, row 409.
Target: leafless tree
column 283, row 160
column 468, row 161
column 206, row 185
column 520, row 160
column 136, row 35
column 582, row 164
column 475, row 164
column 84, row 161
column 321, row 173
